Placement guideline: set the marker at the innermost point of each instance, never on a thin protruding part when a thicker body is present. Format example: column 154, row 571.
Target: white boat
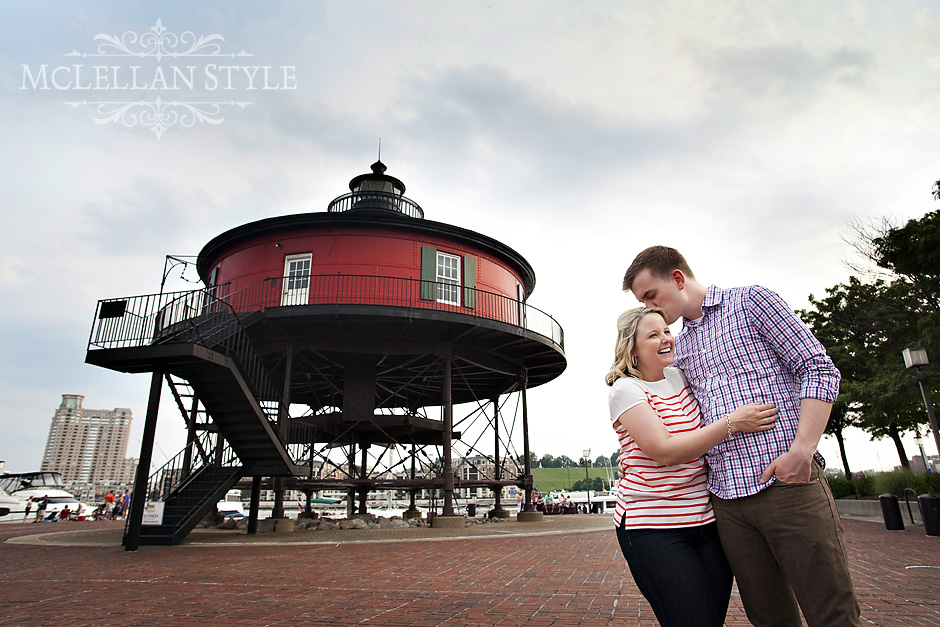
column 38, row 485
column 596, row 503
column 8, row 505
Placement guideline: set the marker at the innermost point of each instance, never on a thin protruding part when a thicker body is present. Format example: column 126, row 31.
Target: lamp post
column 919, row 441
column 171, row 262
column 587, row 478
column 917, row 358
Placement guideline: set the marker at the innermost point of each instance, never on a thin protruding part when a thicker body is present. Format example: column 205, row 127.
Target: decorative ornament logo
column 160, row 114
column 159, row 43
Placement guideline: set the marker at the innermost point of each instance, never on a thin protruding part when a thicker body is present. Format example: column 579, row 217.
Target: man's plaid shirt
column 750, row 347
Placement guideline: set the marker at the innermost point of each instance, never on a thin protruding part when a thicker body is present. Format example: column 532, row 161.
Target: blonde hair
column 626, row 341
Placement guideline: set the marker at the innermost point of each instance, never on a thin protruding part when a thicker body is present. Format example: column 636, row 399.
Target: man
column 41, row 510
column 776, row 516
column 108, row 504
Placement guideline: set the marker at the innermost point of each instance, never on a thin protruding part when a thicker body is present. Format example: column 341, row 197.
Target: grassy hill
column 546, row 479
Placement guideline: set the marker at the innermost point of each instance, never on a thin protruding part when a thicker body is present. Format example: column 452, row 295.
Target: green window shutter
column 469, row 281
column 428, row 273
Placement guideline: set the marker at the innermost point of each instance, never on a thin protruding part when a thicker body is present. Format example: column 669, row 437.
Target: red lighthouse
column 356, row 349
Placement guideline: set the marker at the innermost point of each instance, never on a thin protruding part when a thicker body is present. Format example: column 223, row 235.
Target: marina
column 18, row 489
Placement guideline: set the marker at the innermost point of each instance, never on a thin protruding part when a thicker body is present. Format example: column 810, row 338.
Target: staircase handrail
column 173, row 474
column 195, row 316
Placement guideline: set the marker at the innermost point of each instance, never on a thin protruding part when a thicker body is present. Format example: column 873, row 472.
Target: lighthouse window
column 296, row 279
column 441, row 277
column 298, row 275
column 448, row 278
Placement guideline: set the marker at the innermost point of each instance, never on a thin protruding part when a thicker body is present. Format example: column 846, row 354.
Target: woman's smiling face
column 653, row 349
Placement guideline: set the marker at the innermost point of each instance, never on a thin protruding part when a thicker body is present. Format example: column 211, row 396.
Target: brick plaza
column 564, row 571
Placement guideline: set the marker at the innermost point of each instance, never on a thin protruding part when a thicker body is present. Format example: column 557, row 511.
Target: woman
column 664, row 520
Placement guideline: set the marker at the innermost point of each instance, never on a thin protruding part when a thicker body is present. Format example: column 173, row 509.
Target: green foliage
column 545, row 479
column 876, row 484
column 865, row 326
column 897, row 481
column 911, row 250
column 597, row 484
column 864, row 485
column 840, row 486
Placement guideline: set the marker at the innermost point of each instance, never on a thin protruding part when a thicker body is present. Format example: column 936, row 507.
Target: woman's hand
column 753, row 417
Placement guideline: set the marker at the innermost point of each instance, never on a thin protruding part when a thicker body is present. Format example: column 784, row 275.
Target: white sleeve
column 625, row 393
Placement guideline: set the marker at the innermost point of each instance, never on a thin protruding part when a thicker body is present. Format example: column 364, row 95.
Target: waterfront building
column 88, row 448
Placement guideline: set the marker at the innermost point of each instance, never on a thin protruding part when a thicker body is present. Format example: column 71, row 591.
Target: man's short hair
column 660, row 261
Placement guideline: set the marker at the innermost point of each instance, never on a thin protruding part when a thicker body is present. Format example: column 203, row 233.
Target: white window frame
column 296, row 283
column 447, row 270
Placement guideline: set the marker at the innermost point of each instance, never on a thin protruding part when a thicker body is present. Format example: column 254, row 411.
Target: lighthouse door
column 296, row 288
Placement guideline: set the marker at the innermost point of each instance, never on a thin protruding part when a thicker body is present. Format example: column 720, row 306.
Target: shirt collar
column 713, row 298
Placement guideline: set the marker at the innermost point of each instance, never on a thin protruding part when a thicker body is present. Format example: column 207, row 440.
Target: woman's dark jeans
column 682, row 572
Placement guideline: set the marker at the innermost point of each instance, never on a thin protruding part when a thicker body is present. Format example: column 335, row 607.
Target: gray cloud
column 553, row 140
column 141, row 219
column 785, row 71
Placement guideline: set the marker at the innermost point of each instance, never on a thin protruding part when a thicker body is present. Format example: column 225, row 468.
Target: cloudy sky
column 748, row 135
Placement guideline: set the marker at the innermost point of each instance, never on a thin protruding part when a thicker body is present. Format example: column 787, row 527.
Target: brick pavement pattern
column 498, row 575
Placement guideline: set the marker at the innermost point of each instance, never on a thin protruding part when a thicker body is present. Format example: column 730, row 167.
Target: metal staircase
column 190, row 502
column 201, row 345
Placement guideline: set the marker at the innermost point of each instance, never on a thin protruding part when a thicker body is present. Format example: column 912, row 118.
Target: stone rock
column 354, row 523
column 326, row 525
column 229, row 524
column 398, row 523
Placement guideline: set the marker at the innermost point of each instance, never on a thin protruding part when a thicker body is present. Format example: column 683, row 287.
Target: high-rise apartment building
column 88, row 447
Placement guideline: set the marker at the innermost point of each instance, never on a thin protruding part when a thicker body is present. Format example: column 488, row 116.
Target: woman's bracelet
column 728, row 420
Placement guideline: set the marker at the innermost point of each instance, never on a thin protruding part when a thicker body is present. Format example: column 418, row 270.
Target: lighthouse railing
column 198, row 317
column 416, row 294
column 375, row 201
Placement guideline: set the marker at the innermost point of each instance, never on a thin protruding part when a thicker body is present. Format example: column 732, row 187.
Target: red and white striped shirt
column 650, row 494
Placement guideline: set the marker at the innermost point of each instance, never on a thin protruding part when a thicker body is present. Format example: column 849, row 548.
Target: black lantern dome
column 376, row 192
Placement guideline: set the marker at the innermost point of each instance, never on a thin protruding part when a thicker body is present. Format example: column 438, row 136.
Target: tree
column 597, row 485
column 839, row 419
column 864, row 327
column 533, row 460
column 913, row 253
column 564, row 461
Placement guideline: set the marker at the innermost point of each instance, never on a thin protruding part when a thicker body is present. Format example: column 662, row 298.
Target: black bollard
column 891, row 512
column 930, row 513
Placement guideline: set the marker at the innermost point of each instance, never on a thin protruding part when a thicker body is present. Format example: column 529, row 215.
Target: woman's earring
column 634, row 361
